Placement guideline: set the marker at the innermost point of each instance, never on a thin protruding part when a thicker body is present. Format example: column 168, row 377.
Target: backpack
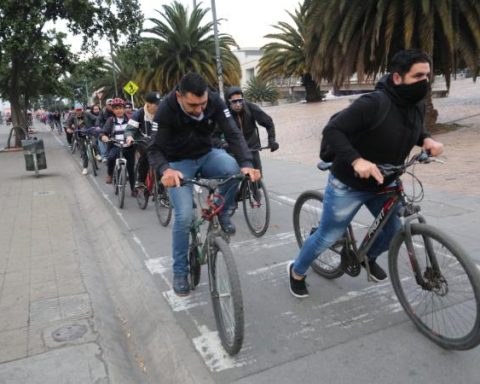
column 326, row 152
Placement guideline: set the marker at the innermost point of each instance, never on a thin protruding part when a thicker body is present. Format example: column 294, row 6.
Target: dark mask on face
column 414, row 92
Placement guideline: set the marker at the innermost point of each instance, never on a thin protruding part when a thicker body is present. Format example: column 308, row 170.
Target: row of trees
column 326, row 40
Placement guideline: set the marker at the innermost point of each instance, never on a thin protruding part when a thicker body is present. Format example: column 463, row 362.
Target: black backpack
column 326, row 152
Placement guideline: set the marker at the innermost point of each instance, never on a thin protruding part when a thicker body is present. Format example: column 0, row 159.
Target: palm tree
column 287, row 57
column 361, row 36
column 183, row 43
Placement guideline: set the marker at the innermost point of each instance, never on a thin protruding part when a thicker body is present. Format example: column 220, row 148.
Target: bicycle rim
column 163, row 207
column 256, row 207
column 226, row 296
column 122, row 183
column 306, row 217
column 447, row 311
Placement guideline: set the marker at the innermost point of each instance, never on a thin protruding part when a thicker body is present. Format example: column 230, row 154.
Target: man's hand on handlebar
column 433, row 147
column 130, row 140
column 365, row 169
column 171, row 178
column 254, row 174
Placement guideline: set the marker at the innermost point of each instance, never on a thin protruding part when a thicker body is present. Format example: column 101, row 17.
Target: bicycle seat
column 324, row 166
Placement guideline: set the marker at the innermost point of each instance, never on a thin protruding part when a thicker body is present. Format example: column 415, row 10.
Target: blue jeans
column 216, row 163
column 340, row 205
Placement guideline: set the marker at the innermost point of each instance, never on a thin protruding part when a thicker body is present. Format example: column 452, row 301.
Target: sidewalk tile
column 13, row 344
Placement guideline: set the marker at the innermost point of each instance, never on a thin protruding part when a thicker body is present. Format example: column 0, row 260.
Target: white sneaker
column 98, row 157
column 85, row 171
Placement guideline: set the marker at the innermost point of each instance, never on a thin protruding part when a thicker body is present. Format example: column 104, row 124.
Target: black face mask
column 413, row 93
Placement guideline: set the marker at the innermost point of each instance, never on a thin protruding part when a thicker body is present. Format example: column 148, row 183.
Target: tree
column 259, row 90
column 33, row 59
column 359, row 36
column 182, row 43
column 287, row 57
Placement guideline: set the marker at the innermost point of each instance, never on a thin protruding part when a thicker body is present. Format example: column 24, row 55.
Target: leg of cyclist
column 129, row 154
column 83, row 152
column 257, row 162
column 218, row 163
column 182, row 202
column 111, row 157
column 340, row 205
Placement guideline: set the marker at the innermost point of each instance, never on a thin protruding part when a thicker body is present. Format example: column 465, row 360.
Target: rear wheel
column 122, row 184
column 306, row 218
column 163, row 207
column 446, row 308
column 91, row 159
column 226, row 295
column 256, row 207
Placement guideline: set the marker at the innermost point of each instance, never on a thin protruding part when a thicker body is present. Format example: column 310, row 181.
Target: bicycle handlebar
column 212, row 184
column 422, row 157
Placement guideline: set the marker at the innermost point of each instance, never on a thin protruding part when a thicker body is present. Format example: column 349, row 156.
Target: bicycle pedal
column 349, row 263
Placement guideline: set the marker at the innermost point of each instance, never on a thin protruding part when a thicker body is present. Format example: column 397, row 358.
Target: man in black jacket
column 247, row 115
column 182, row 148
column 355, row 180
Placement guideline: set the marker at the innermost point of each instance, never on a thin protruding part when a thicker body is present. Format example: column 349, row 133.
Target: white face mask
column 196, row 118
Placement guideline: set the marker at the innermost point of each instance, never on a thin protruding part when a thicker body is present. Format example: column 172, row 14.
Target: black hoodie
column 181, row 137
column 349, row 136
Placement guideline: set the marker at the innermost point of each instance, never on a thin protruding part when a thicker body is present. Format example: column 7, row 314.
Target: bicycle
column 153, row 187
column 213, row 249
column 119, row 179
column 90, row 150
column 256, row 204
column 435, row 281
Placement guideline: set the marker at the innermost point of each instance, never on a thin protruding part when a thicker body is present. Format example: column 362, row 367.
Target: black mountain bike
column 120, row 173
column 213, row 249
column 435, row 281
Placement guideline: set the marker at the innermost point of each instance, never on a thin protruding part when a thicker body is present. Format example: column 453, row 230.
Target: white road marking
column 209, row 346
column 182, row 303
column 268, row 269
column 159, row 265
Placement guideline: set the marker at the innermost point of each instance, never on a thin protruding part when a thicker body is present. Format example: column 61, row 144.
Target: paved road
column 348, row 329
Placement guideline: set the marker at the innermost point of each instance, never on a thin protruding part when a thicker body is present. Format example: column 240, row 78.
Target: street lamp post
column 217, row 51
column 113, row 68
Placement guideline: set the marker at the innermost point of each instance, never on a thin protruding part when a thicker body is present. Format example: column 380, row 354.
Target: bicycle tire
column 256, row 207
column 466, row 300
column 122, row 185
column 195, row 268
column 115, row 180
column 91, row 159
column 142, row 193
column 73, row 149
column 226, row 294
column 163, row 206
column 306, row 216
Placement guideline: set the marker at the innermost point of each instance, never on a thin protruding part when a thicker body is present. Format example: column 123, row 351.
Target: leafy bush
column 258, row 90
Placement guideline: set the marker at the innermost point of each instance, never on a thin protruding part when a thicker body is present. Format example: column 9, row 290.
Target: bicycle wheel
column 142, row 193
column 226, row 295
column 306, row 217
column 256, row 207
column 122, row 185
column 195, row 268
column 163, row 207
column 91, row 159
column 447, row 308
column 74, row 146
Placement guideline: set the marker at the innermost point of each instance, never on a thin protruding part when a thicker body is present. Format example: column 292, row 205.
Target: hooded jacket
column 181, row 137
column 350, row 136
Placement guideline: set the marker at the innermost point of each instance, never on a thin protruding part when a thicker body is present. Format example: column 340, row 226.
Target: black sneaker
column 376, row 272
column 298, row 288
column 227, row 226
column 181, row 287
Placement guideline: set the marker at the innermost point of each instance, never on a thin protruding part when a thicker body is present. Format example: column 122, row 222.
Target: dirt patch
column 440, row 128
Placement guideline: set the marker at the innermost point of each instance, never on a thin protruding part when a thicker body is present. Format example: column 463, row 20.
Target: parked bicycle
column 119, row 179
column 255, row 202
column 154, row 188
column 213, row 249
column 435, row 281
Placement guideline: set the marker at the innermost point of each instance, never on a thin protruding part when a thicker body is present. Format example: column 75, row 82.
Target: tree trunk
column 431, row 113
column 312, row 90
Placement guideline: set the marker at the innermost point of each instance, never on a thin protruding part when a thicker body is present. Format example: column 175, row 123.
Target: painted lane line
column 268, row 269
column 186, row 303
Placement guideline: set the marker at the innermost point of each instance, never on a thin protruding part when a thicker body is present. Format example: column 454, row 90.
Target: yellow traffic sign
column 131, row 88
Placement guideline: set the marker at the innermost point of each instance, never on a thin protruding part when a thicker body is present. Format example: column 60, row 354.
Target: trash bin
column 34, row 153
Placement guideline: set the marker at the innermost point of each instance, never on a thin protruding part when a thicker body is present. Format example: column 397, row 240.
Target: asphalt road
column 348, row 330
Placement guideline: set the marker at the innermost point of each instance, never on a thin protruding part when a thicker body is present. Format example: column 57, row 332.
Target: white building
column 248, row 58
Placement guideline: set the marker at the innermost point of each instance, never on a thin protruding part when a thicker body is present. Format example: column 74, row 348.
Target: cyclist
column 183, row 148
column 355, row 180
column 129, row 109
column 75, row 125
column 115, row 128
column 247, row 115
column 104, row 114
column 92, row 117
column 140, row 126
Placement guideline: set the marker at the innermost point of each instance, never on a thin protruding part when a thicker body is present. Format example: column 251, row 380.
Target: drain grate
column 69, row 332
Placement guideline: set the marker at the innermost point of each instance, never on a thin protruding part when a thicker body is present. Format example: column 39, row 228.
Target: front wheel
column 256, row 207
column 226, row 295
column 163, row 208
column 122, row 185
column 142, row 193
column 306, row 218
column 91, row 159
column 446, row 308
